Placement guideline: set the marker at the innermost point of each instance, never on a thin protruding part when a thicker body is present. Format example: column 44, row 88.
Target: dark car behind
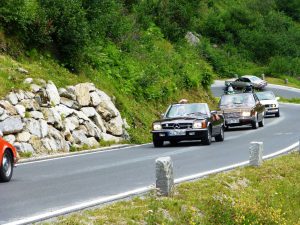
column 242, row 109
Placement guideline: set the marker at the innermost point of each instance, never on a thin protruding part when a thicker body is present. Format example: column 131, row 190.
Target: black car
column 192, row 121
column 247, row 80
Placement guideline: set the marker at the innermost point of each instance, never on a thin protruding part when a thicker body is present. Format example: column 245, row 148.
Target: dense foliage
column 138, row 49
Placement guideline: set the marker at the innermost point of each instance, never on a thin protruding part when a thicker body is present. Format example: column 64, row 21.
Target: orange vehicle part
column 8, row 158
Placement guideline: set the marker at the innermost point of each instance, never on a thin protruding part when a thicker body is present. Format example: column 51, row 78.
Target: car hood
column 229, row 109
column 268, row 102
column 180, row 119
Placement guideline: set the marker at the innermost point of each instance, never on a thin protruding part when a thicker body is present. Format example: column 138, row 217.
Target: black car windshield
column 183, row 110
column 238, row 100
column 267, row 95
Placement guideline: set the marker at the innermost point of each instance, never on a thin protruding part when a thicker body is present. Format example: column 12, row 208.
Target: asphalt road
column 286, row 92
column 45, row 186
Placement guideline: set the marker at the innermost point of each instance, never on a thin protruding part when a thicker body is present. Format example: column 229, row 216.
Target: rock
column 36, row 115
column 35, row 88
column 38, row 128
column 20, row 110
column 22, row 70
column 103, row 96
column 192, row 39
column 53, row 94
column 20, row 95
column 4, row 116
column 52, row 117
column 82, row 92
column 111, row 138
column 23, row 137
column 115, row 126
column 63, row 110
column 9, row 108
column 57, row 141
column 67, row 102
column 42, row 98
column 106, row 107
column 99, row 122
column 37, row 144
column 10, row 138
column 95, row 98
column 28, row 95
column 92, row 130
column 1, row 111
column 79, row 137
column 92, row 142
column 89, row 111
column 28, row 80
column 30, row 104
column 12, row 98
column 41, row 82
column 71, row 90
column 71, row 123
column 81, row 115
column 24, row 147
column 126, row 126
column 11, row 125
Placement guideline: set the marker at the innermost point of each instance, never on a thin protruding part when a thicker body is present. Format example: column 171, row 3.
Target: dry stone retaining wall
column 47, row 119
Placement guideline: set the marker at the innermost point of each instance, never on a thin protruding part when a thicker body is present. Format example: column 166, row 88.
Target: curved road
column 48, row 185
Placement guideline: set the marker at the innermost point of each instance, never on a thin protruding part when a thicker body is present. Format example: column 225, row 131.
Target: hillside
column 137, row 52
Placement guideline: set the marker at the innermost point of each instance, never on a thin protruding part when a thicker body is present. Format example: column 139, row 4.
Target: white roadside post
column 256, row 153
column 164, row 176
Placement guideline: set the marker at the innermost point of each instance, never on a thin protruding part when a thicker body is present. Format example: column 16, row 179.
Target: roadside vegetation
column 136, row 50
column 265, row 195
column 290, row 100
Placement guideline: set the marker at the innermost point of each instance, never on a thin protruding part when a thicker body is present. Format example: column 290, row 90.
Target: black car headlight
column 157, row 126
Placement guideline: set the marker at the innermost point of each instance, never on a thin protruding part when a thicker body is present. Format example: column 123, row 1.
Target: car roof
column 248, row 76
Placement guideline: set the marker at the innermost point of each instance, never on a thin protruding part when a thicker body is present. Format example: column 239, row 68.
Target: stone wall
column 47, row 119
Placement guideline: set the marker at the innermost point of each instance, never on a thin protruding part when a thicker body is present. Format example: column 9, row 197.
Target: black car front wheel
column 220, row 137
column 207, row 139
column 6, row 167
column 158, row 143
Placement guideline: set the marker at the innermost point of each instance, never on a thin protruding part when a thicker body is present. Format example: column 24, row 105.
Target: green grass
column 292, row 81
column 266, row 195
column 290, row 100
column 25, row 155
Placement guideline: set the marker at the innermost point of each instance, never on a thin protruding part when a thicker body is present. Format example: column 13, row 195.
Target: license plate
column 177, row 133
column 229, row 121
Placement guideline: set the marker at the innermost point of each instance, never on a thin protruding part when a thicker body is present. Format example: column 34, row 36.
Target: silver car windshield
column 267, row 95
column 182, row 110
column 237, row 100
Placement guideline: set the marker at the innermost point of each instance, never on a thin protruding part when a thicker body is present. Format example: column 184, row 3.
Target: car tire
column 277, row 114
column 158, row 143
column 262, row 122
column 220, row 137
column 207, row 139
column 255, row 123
column 6, row 167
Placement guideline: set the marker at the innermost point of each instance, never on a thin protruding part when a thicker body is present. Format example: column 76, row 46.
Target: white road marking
column 80, row 154
column 141, row 190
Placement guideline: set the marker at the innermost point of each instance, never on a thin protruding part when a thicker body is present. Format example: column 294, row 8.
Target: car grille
column 270, row 105
column 171, row 126
column 232, row 115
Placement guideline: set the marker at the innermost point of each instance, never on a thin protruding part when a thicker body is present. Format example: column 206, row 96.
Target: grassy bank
column 290, row 100
column 266, row 195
